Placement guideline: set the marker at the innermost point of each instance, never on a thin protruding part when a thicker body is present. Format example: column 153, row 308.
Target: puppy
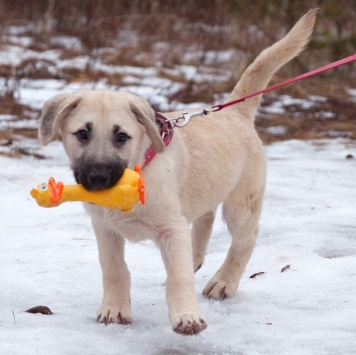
column 213, row 160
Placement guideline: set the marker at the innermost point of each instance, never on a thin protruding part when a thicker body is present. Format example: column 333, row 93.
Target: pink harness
column 166, row 132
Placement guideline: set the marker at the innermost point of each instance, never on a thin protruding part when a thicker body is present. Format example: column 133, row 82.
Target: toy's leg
column 115, row 307
column 201, row 232
column 241, row 216
column 176, row 249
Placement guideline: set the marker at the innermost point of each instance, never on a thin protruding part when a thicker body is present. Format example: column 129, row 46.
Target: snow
column 352, row 93
column 49, row 257
column 276, row 130
column 278, row 107
column 14, row 55
column 210, row 57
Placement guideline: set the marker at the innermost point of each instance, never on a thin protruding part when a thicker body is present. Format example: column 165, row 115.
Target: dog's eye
column 82, row 135
column 121, row 137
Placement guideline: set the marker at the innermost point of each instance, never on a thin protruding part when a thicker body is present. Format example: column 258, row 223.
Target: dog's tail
column 259, row 73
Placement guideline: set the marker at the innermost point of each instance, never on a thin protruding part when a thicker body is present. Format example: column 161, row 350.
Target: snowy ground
column 49, row 257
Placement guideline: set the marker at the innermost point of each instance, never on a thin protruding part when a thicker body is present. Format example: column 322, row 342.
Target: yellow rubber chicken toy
column 128, row 191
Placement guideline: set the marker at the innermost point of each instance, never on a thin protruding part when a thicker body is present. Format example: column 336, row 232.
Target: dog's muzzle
column 96, row 177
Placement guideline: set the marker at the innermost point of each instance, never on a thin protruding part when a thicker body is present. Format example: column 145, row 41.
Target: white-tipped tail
column 259, row 72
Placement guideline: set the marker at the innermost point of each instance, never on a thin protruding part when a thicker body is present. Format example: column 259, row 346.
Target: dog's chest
column 127, row 225
column 133, row 230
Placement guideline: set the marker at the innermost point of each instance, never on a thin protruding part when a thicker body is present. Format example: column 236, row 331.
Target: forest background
column 218, row 37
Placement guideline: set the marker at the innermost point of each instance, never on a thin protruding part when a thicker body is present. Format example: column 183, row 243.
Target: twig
column 285, row 268
column 13, row 314
column 257, row 274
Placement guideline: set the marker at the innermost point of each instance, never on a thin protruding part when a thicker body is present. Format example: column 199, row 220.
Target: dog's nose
column 99, row 179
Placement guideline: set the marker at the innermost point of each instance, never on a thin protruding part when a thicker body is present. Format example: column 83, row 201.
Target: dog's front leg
column 176, row 249
column 115, row 307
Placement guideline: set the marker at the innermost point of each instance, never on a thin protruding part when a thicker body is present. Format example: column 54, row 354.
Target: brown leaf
column 349, row 156
column 285, row 268
column 257, row 274
column 39, row 309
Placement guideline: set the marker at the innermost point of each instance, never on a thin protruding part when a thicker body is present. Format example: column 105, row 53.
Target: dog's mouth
column 96, row 177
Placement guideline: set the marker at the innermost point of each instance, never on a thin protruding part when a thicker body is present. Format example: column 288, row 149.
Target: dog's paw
column 219, row 289
column 188, row 323
column 108, row 314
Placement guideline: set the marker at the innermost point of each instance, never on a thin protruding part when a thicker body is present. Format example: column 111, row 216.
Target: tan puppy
column 215, row 159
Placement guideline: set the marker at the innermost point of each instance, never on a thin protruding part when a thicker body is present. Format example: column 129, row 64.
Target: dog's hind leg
column 201, row 232
column 241, row 214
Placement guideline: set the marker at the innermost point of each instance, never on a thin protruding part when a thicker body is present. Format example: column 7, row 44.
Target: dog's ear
column 146, row 116
column 53, row 114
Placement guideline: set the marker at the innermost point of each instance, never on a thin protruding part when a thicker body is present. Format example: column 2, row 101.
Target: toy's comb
column 56, row 189
column 141, row 186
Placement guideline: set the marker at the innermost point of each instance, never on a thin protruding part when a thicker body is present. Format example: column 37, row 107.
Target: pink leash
column 167, row 124
column 338, row 63
column 184, row 120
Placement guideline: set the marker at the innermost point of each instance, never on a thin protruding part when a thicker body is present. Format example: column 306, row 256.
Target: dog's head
column 103, row 132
